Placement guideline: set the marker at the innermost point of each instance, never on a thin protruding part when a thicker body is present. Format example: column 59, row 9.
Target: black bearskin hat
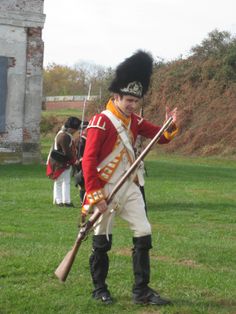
column 73, row 123
column 133, row 75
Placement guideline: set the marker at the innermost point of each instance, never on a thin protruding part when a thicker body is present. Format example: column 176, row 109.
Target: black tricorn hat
column 73, row 123
column 133, row 75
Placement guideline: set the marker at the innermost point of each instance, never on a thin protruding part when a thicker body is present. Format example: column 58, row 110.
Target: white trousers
column 129, row 205
column 61, row 188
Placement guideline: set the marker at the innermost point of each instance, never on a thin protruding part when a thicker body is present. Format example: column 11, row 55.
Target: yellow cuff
column 169, row 136
column 86, row 209
column 95, row 197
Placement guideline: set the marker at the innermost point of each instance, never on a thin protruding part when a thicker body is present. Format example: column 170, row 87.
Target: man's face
column 127, row 104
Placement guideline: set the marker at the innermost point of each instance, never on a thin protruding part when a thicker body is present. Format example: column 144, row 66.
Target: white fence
column 70, row 98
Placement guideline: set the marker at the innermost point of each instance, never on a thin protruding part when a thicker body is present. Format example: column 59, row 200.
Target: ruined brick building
column 21, row 63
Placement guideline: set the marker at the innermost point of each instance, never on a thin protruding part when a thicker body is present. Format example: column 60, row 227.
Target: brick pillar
column 33, row 95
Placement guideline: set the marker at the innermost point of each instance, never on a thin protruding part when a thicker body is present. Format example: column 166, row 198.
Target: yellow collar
column 111, row 107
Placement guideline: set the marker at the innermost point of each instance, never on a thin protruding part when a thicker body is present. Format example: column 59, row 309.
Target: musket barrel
column 139, row 159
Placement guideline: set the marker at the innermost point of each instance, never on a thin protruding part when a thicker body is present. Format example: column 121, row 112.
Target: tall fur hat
column 133, row 75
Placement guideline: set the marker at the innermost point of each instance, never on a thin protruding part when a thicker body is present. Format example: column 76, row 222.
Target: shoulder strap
column 55, row 140
column 111, row 157
column 122, row 132
column 54, row 146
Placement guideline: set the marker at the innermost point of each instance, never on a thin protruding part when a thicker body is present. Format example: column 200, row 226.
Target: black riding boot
column 141, row 263
column 142, row 293
column 99, row 265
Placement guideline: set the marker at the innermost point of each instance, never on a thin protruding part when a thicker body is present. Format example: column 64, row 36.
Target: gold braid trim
column 95, row 197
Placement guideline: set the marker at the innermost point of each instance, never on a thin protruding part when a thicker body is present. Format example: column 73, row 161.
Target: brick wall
column 54, row 105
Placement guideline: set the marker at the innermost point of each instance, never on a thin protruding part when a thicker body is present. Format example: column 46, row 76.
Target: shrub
column 48, row 124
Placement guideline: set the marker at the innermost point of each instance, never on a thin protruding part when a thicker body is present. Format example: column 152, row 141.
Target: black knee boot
column 142, row 293
column 141, row 263
column 99, row 265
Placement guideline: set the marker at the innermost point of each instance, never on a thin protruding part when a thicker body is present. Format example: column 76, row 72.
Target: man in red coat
column 60, row 172
column 108, row 154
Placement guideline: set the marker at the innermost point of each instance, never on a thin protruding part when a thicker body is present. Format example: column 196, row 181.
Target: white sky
column 105, row 32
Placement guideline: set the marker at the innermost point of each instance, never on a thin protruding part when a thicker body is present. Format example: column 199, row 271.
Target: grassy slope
column 192, row 209
column 207, row 116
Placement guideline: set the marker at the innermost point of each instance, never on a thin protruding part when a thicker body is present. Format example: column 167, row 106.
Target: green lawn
column 62, row 113
column 192, row 208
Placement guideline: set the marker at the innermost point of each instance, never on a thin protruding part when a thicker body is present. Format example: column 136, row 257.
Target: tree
column 214, row 45
column 62, row 80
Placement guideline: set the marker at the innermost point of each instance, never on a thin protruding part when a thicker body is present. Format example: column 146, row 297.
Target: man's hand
column 171, row 113
column 102, row 206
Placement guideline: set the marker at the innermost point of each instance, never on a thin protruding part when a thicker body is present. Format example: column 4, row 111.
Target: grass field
column 192, row 208
column 62, row 113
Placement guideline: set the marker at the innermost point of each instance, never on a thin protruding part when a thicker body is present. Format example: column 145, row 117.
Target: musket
column 64, row 267
column 78, row 150
column 139, row 140
column 82, row 119
column 84, row 105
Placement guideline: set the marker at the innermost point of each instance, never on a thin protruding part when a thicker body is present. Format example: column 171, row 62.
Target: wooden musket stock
column 64, row 268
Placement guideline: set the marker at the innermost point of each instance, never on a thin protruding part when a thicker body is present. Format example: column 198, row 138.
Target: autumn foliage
column 203, row 87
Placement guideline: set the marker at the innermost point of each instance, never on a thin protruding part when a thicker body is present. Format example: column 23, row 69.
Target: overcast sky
column 105, row 32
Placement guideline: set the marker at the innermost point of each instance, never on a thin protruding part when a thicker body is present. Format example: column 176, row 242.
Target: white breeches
column 61, row 188
column 129, row 205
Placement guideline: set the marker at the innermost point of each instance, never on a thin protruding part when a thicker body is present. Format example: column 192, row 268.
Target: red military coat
column 101, row 140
